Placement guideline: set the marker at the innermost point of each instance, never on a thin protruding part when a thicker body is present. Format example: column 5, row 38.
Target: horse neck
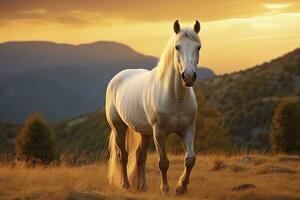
column 172, row 82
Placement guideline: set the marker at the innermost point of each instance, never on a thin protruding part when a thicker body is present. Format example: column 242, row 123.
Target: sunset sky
column 235, row 34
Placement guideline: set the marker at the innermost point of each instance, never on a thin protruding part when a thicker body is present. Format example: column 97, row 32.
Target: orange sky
column 235, row 34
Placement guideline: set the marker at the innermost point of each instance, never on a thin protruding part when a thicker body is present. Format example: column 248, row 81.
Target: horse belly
column 137, row 120
column 130, row 109
column 141, row 126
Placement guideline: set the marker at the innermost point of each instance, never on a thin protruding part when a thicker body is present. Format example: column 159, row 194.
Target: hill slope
column 248, row 98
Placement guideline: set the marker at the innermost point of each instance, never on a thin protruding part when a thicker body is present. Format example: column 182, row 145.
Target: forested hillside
column 247, row 99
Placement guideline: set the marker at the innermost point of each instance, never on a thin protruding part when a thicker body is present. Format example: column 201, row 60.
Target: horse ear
column 176, row 27
column 197, row 27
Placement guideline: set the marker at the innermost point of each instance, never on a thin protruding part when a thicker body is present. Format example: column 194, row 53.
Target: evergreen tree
column 285, row 131
column 35, row 142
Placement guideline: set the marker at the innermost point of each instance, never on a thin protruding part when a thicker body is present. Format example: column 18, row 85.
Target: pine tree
column 35, row 142
column 285, row 131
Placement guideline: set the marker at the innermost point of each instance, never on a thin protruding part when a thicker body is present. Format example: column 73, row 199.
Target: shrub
column 35, row 142
column 218, row 165
column 285, row 131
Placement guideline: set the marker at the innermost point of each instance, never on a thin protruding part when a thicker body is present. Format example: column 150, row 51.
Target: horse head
column 187, row 46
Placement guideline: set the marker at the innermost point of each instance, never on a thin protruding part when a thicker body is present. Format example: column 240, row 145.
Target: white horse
column 141, row 104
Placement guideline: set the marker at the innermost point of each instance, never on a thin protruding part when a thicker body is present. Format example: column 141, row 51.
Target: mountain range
column 62, row 80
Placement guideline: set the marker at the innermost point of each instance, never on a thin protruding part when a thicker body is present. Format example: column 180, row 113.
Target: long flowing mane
column 166, row 60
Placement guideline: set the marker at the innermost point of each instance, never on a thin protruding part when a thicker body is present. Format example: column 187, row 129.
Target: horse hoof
column 165, row 189
column 126, row 186
column 142, row 188
column 181, row 189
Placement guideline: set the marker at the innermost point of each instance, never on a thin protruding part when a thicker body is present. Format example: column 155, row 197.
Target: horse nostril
column 183, row 76
column 194, row 76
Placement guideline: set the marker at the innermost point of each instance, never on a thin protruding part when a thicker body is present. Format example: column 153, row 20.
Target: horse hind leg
column 141, row 154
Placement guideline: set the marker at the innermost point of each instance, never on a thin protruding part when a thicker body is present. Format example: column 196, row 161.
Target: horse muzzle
column 188, row 79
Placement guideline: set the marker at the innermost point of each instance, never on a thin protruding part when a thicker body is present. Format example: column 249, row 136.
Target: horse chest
column 175, row 119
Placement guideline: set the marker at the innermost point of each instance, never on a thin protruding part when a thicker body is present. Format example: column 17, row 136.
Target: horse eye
column 198, row 48
column 177, row 47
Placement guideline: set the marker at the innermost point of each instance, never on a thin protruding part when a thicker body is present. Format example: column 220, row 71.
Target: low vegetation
column 213, row 178
column 8, row 133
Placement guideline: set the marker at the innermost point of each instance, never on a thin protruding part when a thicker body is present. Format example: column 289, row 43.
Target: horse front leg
column 160, row 137
column 190, row 159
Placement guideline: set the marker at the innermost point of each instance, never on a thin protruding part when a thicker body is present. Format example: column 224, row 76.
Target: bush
column 35, row 142
column 285, row 131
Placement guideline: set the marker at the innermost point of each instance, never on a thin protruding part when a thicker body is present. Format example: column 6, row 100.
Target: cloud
column 137, row 10
column 276, row 6
column 43, row 15
column 271, row 38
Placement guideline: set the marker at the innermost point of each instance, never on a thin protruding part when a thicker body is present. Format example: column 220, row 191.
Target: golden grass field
column 213, row 177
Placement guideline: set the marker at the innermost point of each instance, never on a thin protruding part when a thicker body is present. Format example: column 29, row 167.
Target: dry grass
column 89, row 182
column 275, row 170
column 219, row 165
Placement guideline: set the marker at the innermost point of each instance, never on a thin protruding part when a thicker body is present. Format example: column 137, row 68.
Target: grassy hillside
column 247, row 99
column 85, row 133
column 254, row 177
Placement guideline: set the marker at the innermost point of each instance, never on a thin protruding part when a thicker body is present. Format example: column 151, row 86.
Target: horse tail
column 133, row 140
column 114, row 166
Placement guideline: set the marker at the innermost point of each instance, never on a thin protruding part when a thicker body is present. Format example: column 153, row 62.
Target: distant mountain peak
column 204, row 73
column 101, row 43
